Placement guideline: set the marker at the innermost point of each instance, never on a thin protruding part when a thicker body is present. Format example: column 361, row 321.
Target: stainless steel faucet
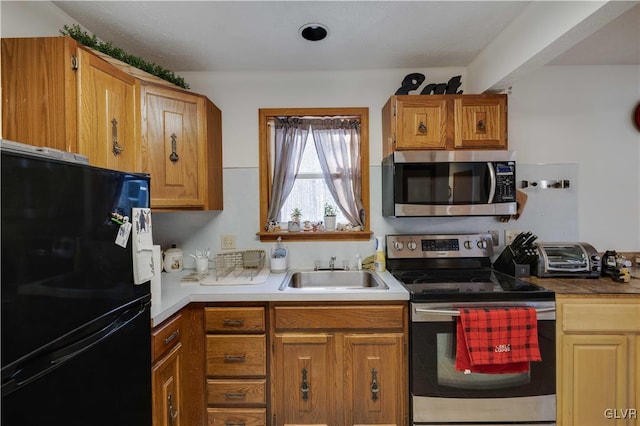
column 332, row 263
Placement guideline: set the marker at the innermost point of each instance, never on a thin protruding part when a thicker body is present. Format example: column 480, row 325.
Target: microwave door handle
column 492, row 184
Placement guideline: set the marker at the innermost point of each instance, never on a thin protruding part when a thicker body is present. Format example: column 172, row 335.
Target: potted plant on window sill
column 294, row 223
column 330, row 217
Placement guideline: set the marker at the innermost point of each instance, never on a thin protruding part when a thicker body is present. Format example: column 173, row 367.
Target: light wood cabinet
column 598, row 355
column 166, row 371
column 444, row 122
column 107, row 120
column 342, row 365
column 182, row 158
column 236, row 365
column 59, row 94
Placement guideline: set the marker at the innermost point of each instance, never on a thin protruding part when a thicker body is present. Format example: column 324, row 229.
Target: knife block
column 506, row 264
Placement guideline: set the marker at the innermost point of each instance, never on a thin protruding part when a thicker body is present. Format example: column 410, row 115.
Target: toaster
column 567, row 259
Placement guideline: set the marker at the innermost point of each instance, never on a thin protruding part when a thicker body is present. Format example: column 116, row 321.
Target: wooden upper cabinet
column 107, row 122
column 444, row 122
column 59, row 94
column 39, row 92
column 181, row 151
column 481, row 121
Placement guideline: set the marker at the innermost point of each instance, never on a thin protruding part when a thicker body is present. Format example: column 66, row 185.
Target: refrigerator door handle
column 31, row 369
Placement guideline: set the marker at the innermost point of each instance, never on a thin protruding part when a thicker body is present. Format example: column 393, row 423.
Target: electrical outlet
column 510, row 235
column 227, row 241
column 495, row 239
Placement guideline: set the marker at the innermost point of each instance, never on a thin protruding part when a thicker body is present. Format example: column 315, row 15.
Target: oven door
column 440, row 393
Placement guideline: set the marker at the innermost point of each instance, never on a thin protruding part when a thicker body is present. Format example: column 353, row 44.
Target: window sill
column 316, row 236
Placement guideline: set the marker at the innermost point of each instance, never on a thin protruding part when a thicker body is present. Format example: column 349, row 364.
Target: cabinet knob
column 304, row 387
column 116, row 147
column 174, row 157
column 422, row 128
column 375, row 387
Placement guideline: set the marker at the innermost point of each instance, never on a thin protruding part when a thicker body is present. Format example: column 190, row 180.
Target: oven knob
column 411, row 245
column 482, row 244
column 398, row 245
column 467, row 245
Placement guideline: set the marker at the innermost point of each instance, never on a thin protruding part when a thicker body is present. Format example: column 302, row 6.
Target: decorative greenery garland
column 92, row 41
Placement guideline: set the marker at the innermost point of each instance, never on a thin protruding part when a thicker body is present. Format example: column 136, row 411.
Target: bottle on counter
column 379, row 262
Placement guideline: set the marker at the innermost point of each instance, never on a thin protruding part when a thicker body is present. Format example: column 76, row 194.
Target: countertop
column 176, row 294
column 589, row 286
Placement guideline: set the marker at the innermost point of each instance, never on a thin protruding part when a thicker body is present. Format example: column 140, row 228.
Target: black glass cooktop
column 468, row 284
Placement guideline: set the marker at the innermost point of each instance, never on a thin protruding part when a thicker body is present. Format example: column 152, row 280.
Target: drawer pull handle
column 171, row 337
column 234, row 424
column 304, row 387
column 375, row 388
column 422, row 128
column 235, row 395
column 233, row 322
column 234, row 358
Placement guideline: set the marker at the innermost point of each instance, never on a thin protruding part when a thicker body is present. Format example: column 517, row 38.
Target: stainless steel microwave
column 449, row 183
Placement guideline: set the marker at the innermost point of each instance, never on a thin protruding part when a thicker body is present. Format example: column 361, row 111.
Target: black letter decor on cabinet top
column 414, row 80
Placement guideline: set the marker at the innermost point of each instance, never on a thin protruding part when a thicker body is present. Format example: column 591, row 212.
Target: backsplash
column 549, row 213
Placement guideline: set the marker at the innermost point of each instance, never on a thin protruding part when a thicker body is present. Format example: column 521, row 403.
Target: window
column 315, row 156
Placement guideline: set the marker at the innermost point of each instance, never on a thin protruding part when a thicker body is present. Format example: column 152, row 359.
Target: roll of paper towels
column 156, row 281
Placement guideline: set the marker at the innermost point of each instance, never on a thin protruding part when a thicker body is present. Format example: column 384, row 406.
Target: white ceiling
column 263, row 35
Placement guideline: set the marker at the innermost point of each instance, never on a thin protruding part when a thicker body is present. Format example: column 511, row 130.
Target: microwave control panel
column 505, row 182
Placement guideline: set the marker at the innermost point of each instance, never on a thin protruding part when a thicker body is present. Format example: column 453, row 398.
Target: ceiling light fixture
column 313, row 31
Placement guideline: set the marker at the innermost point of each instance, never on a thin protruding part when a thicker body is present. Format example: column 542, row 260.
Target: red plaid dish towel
column 497, row 340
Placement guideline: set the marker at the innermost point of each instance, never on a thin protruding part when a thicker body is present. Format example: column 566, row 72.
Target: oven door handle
column 456, row 313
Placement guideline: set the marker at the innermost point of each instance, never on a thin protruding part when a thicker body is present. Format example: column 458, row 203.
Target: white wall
column 566, row 115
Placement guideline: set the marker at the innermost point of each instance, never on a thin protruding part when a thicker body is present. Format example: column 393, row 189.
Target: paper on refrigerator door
column 156, row 281
column 143, row 264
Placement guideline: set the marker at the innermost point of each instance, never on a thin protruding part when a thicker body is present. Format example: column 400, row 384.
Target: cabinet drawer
column 233, row 355
column 339, row 317
column 234, row 320
column 165, row 336
column 236, row 392
column 617, row 317
column 236, row 416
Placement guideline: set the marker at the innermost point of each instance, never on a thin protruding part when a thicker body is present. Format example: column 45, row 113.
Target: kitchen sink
column 332, row 281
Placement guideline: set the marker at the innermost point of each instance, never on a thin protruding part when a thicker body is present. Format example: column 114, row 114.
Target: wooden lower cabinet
column 166, row 349
column 236, row 365
column 339, row 365
column 167, row 393
column 598, row 351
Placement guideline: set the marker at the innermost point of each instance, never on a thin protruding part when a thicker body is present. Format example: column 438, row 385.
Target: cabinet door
column 481, row 121
column 166, row 389
column 595, row 378
column 107, row 117
column 374, row 379
column 421, row 124
column 173, row 143
column 305, row 379
column 39, row 93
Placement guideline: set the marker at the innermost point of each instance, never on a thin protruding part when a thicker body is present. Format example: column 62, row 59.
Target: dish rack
column 240, row 263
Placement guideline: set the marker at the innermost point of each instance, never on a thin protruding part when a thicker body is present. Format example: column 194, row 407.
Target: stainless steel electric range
column 444, row 273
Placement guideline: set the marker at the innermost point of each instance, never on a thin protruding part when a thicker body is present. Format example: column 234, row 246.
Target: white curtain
column 290, row 139
column 337, row 142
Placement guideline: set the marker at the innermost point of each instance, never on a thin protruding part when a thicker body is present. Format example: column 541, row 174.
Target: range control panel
column 418, row 246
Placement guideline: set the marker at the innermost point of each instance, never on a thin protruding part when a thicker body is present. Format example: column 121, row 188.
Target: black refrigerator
column 76, row 337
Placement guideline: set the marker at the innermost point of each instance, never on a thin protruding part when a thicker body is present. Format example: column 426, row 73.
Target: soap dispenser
column 279, row 258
